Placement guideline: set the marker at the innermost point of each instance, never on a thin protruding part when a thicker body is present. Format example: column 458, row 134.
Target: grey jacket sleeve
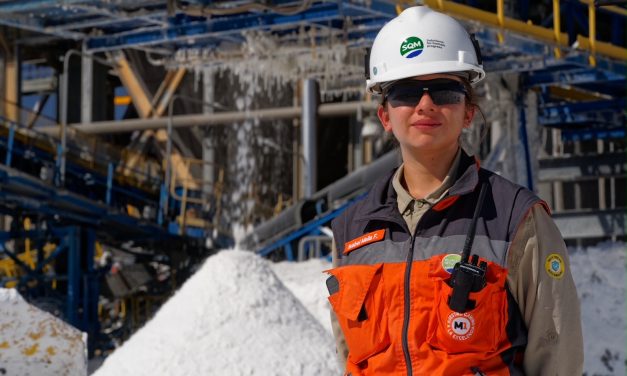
column 340, row 341
column 541, row 283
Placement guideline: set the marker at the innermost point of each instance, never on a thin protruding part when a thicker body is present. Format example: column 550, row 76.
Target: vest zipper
column 407, row 297
column 407, row 281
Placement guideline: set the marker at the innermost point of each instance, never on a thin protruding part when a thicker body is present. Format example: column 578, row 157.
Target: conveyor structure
column 64, row 214
column 50, row 242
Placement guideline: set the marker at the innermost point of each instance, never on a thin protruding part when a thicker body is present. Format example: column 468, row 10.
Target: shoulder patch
column 366, row 239
column 555, row 266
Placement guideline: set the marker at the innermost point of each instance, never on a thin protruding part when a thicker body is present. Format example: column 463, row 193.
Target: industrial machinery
column 111, row 202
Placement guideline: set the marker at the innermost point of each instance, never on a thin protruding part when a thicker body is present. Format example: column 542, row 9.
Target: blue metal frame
column 91, row 196
column 9, row 156
column 310, row 228
column 82, row 281
column 183, row 27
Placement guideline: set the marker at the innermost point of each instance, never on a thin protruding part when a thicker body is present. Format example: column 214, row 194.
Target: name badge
column 363, row 240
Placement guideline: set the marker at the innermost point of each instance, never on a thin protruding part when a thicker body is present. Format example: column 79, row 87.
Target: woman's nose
column 425, row 103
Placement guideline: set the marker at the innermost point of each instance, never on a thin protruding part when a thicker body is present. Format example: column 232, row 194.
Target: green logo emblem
column 449, row 261
column 411, row 47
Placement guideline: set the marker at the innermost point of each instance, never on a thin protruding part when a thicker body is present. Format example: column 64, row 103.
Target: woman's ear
column 469, row 115
column 384, row 117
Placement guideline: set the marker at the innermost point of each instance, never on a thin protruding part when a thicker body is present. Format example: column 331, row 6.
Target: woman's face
column 426, row 127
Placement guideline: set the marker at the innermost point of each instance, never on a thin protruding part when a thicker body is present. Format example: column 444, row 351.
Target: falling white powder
column 233, row 317
column 34, row 342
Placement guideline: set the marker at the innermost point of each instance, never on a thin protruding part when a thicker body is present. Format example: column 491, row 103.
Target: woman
column 412, row 293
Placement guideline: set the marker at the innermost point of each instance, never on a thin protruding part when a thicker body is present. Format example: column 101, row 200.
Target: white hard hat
column 421, row 41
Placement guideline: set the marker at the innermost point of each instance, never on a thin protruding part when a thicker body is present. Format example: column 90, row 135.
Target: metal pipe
column 219, row 118
column 309, row 135
column 64, row 100
column 87, row 90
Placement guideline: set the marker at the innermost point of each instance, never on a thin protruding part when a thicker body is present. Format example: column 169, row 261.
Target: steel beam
column 12, row 87
column 544, row 34
column 72, row 242
column 570, row 70
column 133, row 83
column 618, row 104
column 219, row 27
column 591, row 224
column 39, row 85
column 30, row 25
column 585, row 167
column 593, row 134
column 9, row 8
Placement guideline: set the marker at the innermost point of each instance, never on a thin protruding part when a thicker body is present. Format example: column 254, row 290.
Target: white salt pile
column 306, row 281
column 599, row 273
column 233, row 317
column 34, row 342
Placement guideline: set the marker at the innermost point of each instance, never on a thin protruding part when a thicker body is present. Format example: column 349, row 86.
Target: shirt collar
column 405, row 199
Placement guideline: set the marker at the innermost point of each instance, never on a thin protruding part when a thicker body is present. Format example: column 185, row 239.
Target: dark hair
column 472, row 100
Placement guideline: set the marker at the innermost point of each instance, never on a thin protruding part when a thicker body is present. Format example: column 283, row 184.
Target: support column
column 370, row 131
column 297, row 192
column 87, row 92
column 558, row 187
column 72, row 242
column 357, row 140
column 309, row 128
column 208, row 147
column 602, row 180
column 12, row 78
column 91, row 289
column 74, row 93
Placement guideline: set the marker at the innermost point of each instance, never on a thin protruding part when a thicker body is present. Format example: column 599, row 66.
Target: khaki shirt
column 548, row 304
column 412, row 209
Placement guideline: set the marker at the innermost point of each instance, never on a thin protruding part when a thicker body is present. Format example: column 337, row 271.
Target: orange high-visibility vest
column 390, row 292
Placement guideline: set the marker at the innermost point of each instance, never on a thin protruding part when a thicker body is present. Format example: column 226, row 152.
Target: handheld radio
column 467, row 276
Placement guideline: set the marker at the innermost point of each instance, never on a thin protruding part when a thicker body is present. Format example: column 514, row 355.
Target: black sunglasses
column 409, row 92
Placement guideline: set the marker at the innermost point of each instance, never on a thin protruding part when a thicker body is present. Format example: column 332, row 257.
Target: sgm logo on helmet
column 460, row 326
column 412, row 47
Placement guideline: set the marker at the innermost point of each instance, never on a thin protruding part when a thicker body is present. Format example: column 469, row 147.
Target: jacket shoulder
column 510, row 196
column 340, row 225
column 344, row 225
